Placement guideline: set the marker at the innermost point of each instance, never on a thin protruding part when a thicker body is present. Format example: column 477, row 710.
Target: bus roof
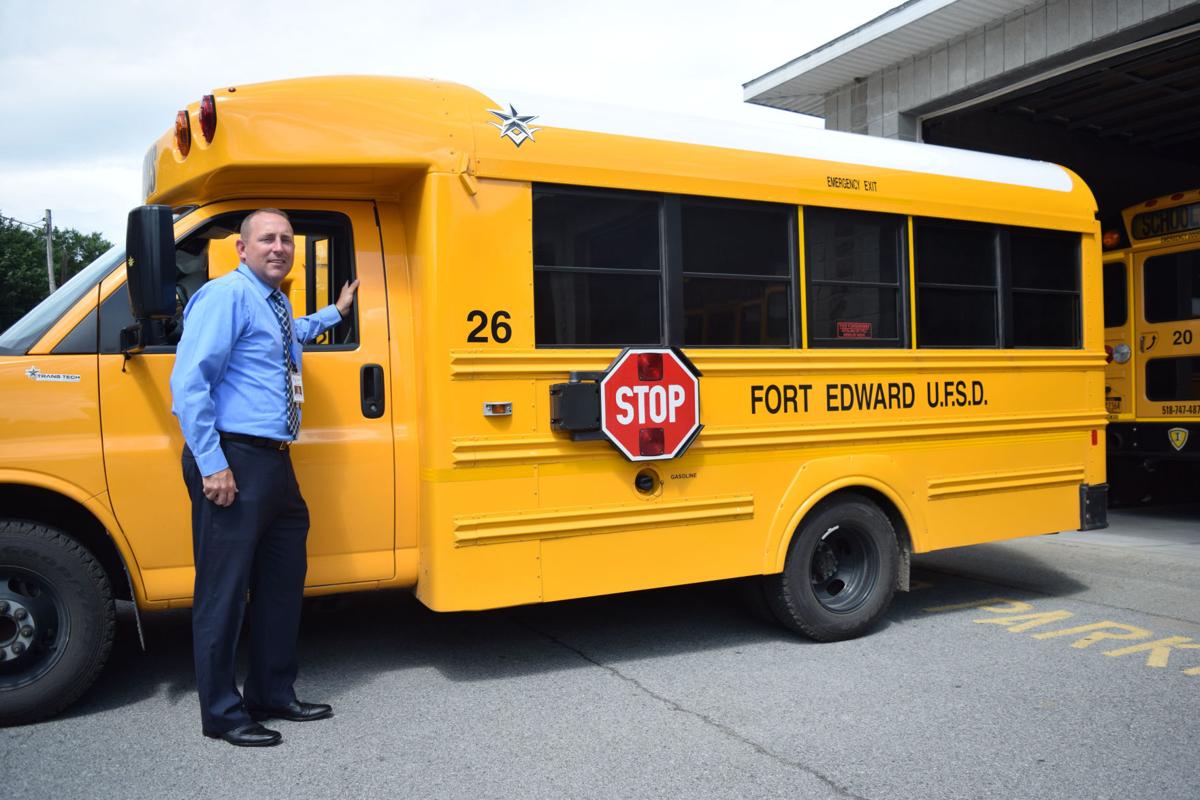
column 367, row 136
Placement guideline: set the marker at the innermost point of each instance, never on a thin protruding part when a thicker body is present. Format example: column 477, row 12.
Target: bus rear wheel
column 840, row 574
column 57, row 621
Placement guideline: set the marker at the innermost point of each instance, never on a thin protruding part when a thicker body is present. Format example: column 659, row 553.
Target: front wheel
column 57, row 621
column 840, row 574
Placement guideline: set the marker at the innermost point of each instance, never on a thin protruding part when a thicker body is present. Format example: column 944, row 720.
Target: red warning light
column 650, row 366
column 651, row 441
column 208, row 117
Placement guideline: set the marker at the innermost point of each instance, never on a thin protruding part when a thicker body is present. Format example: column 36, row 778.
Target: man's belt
column 256, row 441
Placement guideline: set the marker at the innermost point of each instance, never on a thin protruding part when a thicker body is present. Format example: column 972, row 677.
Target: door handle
column 370, row 379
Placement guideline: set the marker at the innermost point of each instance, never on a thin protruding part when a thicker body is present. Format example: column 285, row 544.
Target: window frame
column 1003, row 290
column 335, row 221
column 1147, row 268
column 1119, row 268
column 903, row 339
column 672, row 314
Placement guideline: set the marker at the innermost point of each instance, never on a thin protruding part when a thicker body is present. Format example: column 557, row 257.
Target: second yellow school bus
column 1152, row 334
column 899, row 347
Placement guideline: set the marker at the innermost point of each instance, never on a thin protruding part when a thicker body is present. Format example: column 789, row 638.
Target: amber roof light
column 183, row 133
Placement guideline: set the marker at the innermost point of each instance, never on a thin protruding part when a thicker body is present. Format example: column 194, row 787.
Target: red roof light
column 208, row 117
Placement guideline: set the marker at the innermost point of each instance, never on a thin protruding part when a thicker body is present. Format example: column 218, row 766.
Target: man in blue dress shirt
column 237, row 389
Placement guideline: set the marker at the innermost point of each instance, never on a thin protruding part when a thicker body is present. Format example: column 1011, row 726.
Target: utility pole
column 50, row 252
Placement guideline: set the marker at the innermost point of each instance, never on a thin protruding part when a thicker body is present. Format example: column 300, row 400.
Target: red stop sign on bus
column 650, row 404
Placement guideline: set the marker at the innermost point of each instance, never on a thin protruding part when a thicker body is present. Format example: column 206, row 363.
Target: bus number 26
column 501, row 330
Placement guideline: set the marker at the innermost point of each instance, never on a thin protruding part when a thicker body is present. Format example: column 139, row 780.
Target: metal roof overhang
column 801, row 84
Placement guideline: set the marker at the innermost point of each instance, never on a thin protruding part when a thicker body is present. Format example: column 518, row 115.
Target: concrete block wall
column 886, row 103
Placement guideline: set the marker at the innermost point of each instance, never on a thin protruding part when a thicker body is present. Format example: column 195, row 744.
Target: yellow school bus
column 1152, row 336
column 896, row 348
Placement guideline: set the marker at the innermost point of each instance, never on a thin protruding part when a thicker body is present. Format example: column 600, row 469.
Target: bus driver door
column 343, row 458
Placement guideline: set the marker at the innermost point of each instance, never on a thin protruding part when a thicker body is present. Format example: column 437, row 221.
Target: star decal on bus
column 513, row 125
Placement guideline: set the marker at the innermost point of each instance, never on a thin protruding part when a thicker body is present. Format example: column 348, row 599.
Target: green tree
column 23, row 264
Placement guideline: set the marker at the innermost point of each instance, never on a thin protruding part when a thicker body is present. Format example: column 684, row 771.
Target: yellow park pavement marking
column 1019, row 616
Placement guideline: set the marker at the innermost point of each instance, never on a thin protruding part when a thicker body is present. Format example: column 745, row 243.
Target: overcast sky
column 86, row 87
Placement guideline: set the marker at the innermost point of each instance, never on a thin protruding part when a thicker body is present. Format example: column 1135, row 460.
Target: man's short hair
column 245, row 229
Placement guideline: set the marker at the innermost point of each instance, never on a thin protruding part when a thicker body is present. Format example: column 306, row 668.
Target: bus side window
column 856, row 265
column 992, row 286
column 1044, row 287
column 597, row 268
column 737, row 268
column 957, row 284
column 323, row 263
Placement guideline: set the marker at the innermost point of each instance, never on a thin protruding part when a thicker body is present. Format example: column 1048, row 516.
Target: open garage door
column 1129, row 123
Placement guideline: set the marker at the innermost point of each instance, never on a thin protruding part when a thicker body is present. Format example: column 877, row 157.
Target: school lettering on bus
column 866, row 396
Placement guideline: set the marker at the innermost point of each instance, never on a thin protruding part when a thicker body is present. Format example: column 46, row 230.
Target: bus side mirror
column 150, row 262
column 149, row 272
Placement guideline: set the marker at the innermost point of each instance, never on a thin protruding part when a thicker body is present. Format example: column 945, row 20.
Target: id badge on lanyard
column 297, row 387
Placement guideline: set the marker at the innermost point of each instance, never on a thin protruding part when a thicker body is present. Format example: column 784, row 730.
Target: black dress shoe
column 294, row 711
column 249, row 735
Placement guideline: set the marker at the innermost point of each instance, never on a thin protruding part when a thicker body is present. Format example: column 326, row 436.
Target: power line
column 39, row 227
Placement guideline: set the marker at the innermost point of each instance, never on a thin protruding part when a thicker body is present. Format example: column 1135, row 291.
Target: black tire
column 57, row 621
column 841, row 572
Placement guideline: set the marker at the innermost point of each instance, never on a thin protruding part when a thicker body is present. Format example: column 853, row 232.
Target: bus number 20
column 1181, row 337
column 501, row 330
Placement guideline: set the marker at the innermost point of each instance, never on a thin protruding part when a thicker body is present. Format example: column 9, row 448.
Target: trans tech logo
column 513, row 125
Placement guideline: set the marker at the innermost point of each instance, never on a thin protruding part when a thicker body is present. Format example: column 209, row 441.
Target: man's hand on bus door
column 220, row 487
column 346, row 298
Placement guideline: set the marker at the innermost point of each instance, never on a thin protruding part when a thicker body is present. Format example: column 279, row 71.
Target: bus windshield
column 26, row 331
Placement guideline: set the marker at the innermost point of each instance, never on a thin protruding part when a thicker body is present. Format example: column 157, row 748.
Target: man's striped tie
column 285, row 327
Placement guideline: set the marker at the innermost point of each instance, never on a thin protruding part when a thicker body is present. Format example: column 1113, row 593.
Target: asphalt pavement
column 1063, row 666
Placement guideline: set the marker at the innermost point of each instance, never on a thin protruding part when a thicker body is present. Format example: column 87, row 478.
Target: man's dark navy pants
column 249, row 553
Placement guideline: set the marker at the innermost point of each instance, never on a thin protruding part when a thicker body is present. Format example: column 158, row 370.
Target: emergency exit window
column 856, row 262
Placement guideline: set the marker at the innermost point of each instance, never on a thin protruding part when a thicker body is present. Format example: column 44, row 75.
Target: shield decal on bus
column 1178, row 437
